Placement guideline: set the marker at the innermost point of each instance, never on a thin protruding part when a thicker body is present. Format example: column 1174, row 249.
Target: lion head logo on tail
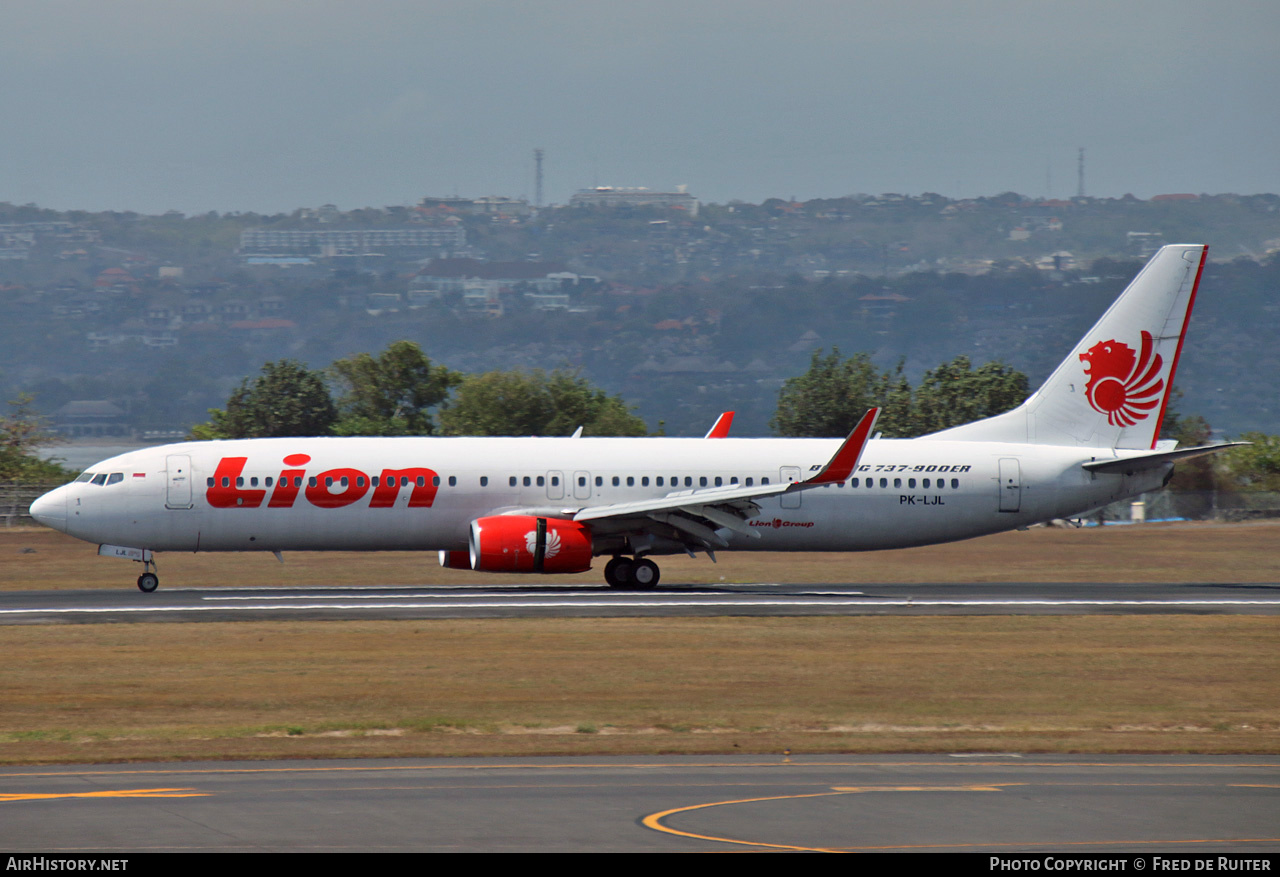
column 1123, row 385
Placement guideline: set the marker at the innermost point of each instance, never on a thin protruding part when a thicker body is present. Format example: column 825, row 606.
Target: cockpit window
column 115, row 478
column 84, row 476
column 100, row 479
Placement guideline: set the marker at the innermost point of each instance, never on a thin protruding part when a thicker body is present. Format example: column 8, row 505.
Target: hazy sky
column 270, row 105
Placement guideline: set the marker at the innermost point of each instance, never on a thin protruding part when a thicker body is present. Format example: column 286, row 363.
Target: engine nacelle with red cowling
column 526, row 543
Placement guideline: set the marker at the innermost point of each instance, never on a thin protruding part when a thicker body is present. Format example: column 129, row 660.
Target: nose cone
column 51, row 509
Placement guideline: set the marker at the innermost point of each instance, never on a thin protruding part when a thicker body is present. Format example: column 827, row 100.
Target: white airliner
column 1086, row 438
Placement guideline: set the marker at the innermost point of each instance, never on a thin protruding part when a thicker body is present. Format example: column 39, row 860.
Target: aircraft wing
column 695, row 515
column 1153, row 461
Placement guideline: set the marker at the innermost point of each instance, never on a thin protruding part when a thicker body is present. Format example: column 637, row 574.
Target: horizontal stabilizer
column 1127, row 465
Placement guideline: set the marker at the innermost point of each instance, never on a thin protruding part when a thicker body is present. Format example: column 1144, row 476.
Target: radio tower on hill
column 1080, row 174
column 537, row 179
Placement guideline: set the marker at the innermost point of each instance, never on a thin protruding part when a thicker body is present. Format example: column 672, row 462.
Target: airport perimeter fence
column 16, row 500
column 1194, row 505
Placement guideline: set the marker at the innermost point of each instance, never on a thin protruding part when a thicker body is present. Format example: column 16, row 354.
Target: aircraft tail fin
column 1113, row 390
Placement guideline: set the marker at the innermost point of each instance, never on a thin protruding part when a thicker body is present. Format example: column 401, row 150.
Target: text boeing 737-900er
column 1089, row 436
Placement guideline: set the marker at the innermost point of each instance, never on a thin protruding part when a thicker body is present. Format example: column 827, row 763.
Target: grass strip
column 630, row 686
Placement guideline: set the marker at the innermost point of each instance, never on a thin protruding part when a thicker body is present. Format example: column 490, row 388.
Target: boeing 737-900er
column 1088, row 437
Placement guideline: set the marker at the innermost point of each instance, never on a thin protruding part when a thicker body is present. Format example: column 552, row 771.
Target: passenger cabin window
column 484, row 480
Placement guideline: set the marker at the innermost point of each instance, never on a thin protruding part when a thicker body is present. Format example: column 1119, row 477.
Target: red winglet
column 720, row 429
column 846, row 459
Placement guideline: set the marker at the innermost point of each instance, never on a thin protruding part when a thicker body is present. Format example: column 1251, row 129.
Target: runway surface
column 977, row 803
column 523, row 600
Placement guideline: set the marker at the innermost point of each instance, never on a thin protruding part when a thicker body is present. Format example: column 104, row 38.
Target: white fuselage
column 290, row 494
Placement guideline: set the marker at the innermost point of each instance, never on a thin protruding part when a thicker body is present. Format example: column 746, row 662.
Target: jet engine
column 525, row 543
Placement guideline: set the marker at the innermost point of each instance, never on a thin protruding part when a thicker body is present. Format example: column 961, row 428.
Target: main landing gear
column 639, row 574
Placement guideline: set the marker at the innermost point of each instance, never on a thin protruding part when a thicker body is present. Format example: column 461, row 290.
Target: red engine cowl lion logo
column 1123, row 385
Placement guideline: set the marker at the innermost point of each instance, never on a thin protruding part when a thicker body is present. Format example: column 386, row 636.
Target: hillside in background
column 153, row 319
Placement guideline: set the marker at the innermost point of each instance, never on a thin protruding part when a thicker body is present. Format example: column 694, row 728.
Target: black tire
column 148, row 582
column 645, row 575
column 617, row 572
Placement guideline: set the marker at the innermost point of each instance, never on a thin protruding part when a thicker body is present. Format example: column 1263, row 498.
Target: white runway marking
column 309, row 603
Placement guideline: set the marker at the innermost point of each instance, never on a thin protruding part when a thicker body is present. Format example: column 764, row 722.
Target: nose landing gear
column 639, row 574
column 148, row 581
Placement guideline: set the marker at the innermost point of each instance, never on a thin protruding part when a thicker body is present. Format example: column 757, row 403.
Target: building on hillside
column 332, row 242
column 481, row 285
column 492, row 205
column 90, row 418
column 614, row 197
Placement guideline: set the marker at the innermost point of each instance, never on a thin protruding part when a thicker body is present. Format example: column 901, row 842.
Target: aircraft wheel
column 148, row 582
column 645, row 574
column 617, row 572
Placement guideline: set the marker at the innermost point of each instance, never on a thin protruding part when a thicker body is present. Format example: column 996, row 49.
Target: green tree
column 955, row 393
column 1189, row 430
column 22, row 431
column 828, row 400
column 391, row 394
column 535, row 403
column 1255, row 467
column 287, row 399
